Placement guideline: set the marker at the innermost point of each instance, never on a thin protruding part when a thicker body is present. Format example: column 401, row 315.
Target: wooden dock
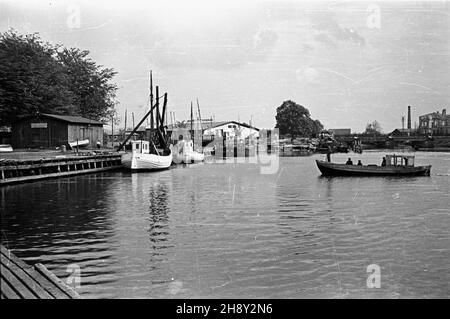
column 21, row 281
column 17, row 171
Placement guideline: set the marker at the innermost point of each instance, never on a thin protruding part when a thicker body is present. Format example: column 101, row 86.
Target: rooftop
column 208, row 125
column 72, row 119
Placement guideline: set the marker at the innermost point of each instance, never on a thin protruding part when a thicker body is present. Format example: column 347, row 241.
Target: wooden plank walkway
column 21, row 281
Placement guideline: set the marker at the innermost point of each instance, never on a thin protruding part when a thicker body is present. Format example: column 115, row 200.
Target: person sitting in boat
column 349, row 161
column 359, row 163
column 383, row 163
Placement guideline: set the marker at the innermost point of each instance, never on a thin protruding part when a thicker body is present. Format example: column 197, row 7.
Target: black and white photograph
column 237, row 152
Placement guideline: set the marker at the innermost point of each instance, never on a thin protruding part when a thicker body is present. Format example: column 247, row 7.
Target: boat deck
column 21, row 281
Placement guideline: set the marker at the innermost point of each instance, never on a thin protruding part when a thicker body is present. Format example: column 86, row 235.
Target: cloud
column 328, row 30
column 308, row 74
column 264, row 39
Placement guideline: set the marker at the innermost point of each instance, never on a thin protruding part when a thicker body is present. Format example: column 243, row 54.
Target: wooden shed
column 51, row 130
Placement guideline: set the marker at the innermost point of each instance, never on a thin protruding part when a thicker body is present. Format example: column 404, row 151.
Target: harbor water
column 225, row 230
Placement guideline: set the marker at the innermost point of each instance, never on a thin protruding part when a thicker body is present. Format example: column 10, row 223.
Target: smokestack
column 409, row 117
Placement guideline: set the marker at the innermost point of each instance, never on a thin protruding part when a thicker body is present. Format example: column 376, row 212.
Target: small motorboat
column 395, row 165
column 183, row 152
column 5, row 148
column 140, row 157
column 78, row 144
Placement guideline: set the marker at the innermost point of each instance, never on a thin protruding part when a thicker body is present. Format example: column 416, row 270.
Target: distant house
column 230, row 129
column 211, row 130
column 402, row 132
column 340, row 131
column 435, row 123
column 51, row 130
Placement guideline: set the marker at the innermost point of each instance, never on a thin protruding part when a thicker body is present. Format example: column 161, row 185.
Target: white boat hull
column 139, row 161
column 193, row 157
column 183, row 153
column 80, row 143
column 5, row 148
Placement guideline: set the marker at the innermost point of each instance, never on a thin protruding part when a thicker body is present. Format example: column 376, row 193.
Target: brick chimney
column 409, row 117
column 444, row 112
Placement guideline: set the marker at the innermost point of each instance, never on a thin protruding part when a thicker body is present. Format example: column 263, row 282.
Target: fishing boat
column 140, row 157
column 395, row 165
column 183, row 152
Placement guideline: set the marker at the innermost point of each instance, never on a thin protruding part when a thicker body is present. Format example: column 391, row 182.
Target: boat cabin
column 399, row 160
column 140, row 146
column 184, row 146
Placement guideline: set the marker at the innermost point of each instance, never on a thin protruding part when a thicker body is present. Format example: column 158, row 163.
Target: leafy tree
column 373, row 128
column 90, row 83
column 37, row 77
column 317, row 128
column 294, row 119
column 31, row 80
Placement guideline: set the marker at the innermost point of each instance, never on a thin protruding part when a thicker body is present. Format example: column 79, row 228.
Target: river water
column 224, row 230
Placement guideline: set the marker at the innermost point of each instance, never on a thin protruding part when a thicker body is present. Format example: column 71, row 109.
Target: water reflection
column 225, row 230
column 78, row 232
column 158, row 217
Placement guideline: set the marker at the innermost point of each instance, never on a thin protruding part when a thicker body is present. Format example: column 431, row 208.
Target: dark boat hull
column 332, row 169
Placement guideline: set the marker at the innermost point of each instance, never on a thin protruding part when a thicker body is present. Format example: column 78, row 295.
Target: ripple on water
column 226, row 231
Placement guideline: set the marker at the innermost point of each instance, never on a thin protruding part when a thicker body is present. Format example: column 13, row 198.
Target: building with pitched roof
column 52, row 130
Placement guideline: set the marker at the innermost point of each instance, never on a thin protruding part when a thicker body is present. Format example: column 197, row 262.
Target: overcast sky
column 349, row 63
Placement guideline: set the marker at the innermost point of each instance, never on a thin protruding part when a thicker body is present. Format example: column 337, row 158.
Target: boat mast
column 150, row 112
column 192, row 119
column 125, row 125
column 199, row 115
column 151, row 105
column 136, row 128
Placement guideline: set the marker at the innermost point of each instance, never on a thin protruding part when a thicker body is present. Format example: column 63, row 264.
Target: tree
column 373, row 128
column 294, row 119
column 94, row 95
column 31, row 80
column 37, row 77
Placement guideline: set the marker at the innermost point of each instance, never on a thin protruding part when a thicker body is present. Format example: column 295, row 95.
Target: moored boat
column 395, row 165
column 183, row 152
column 80, row 143
column 5, row 148
column 141, row 159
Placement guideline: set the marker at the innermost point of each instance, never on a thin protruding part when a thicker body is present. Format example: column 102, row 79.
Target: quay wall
column 18, row 171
